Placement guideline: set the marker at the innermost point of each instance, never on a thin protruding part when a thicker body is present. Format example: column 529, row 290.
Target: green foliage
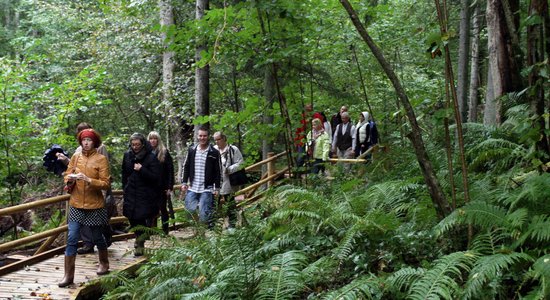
column 440, row 282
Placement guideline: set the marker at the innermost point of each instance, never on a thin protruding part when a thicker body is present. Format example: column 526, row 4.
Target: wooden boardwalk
column 39, row 281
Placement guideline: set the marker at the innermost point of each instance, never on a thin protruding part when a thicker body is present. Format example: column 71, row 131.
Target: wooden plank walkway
column 39, row 281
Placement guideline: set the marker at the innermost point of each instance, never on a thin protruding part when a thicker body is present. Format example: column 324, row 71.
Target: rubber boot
column 68, row 279
column 103, row 267
column 139, row 248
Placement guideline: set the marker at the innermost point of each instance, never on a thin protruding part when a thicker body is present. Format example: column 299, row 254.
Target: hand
column 137, row 166
column 184, row 187
column 61, row 156
column 215, row 193
column 168, row 192
column 80, row 176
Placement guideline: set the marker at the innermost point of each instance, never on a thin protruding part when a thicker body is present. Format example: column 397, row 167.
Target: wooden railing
column 51, row 235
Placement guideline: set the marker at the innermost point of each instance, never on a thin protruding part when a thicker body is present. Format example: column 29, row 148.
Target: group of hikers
column 338, row 137
column 147, row 180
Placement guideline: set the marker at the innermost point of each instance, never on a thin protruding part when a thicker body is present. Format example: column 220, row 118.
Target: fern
column 488, row 243
column 441, row 280
column 499, row 153
column 540, row 271
column 321, row 271
column 491, row 268
column 366, row 287
column 404, row 278
column 478, row 213
column 282, row 279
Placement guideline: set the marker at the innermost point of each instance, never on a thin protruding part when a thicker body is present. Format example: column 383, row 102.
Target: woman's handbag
column 239, row 177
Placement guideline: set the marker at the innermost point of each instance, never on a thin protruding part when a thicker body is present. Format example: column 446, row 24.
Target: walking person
column 318, row 146
column 85, row 231
column 343, row 143
column 362, row 134
column 86, row 176
column 140, row 181
column 166, row 176
column 201, row 178
column 231, row 161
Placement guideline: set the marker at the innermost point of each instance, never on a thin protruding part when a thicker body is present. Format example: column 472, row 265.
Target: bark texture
column 202, row 74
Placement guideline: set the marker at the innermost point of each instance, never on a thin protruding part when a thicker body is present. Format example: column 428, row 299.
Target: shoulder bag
column 239, row 177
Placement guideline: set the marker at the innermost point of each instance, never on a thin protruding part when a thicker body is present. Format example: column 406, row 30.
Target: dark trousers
column 318, row 166
column 231, row 205
column 140, row 235
column 164, row 217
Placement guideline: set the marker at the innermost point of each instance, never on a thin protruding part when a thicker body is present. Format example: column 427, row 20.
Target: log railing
column 50, row 235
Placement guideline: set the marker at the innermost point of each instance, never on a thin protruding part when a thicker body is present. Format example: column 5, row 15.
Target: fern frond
column 441, row 280
column 404, row 278
column 540, row 271
column 283, row 277
column 366, row 287
column 490, row 268
column 489, row 242
column 345, row 247
column 500, row 152
column 477, row 213
column 322, row 270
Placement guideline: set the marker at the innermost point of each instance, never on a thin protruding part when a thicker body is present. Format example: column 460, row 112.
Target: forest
column 456, row 207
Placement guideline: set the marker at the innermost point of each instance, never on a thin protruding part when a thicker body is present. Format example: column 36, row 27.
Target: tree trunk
column 174, row 129
column 269, row 96
column 438, row 197
column 474, row 66
column 202, row 74
column 536, row 61
column 503, row 66
column 463, row 51
column 443, row 21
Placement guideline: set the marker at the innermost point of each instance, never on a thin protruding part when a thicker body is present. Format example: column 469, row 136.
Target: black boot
column 139, row 248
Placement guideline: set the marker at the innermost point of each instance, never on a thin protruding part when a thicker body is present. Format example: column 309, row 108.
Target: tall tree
column 463, row 51
column 174, row 124
column 438, row 197
column 537, row 61
column 503, row 62
column 202, row 72
column 473, row 95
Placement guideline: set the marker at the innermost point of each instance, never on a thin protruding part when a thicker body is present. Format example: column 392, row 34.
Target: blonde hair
column 316, row 121
column 161, row 150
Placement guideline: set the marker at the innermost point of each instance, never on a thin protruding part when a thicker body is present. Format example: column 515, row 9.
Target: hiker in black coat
column 140, row 180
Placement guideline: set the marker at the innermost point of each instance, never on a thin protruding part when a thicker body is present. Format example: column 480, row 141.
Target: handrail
column 265, row 180
column 61, row 198
column 22, row 207
column 274, row 157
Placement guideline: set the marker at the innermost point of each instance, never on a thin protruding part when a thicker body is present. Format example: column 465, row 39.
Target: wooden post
column 270, row 168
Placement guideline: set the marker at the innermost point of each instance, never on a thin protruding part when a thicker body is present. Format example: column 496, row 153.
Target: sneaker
column 86, row 249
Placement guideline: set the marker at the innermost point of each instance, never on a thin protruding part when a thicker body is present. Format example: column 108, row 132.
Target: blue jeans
column 205, row 203
column 74, row 236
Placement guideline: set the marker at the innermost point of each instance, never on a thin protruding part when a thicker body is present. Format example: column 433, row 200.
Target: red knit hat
column 89, row 133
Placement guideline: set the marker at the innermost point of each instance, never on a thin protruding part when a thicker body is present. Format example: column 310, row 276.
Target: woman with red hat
column 86, row 176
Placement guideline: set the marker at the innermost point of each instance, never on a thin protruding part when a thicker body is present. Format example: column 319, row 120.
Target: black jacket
column 141, row 188
column 167, row 172
column 212, row 174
